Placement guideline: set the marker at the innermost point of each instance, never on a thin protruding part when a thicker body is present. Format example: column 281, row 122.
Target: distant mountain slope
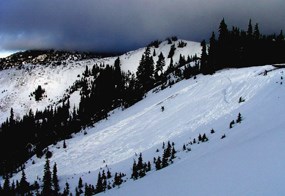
column 57, row 72
column 247, row 161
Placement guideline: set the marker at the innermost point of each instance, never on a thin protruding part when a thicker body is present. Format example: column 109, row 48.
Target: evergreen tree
column 11, row 119
column 239, row 118
column 249, row 29
column 199, row 138
column 24, row 185
column 80, row 186
column 223, row 31
column 109, row 174
column 256, row 33
column 39, row 93
column 118, row 179
column 36, row 187
column 118, row 79
column 204, row 58
column 64, row 144
column 66, row 190
column 184, row 147
column 159, row 66
column 135, row 171
column 204, row 138
column 145, row 71
column 212, row 54
column 173, row 152
column 86, row 72
column 6, row 186
column 89, row 190
column 232, row 123
column 47, row 180
column 182, row 60
column 158, row 164
column 55, row 180
column 172, row 51
column 99, row 185
column 148, row 166
column 280, row 37
column 140, row 162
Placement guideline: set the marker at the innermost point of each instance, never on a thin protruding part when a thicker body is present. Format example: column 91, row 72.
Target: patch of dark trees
column 236, row 48
column 54, row 57
column 49, row 184
column 104, row 88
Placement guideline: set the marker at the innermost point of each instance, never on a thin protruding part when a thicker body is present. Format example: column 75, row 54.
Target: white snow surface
column 249, row 161
column 18, row 84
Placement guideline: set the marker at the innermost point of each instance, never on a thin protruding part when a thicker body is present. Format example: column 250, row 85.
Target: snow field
column 191, row 107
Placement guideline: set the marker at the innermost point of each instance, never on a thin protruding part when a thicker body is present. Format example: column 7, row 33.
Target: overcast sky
column 121, row 25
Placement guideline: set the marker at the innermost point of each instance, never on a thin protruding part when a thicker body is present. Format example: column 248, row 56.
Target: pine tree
column 212, row 54
column 99, row 185
column 249, row 29
column 199, row 138
column 164, row 160
column 24, row 185
column 159, row 66
column 173, row 152
column 232, row 123
column 55, row 179
column 223, row 31
column 80, row 185
column 47, row 184
column 66, row 190
column 145, row 71
column 239, row 118
column 158, row 164
column 135, row 171
column 280, row 37
column 256, row 33
column 39, row 93
column 36, row 187
column 140, row 162
column 109, row 174
column 11, row 119
column 6, row 186
column 148, row 166
column 86, row 72
column 204, row 58
column 172, row 51
column 118, row 80
column 118, row 179
column 204, row 138
column 88, row 190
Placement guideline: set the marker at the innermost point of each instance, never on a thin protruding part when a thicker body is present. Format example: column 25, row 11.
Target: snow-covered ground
column 18, row 84
column 248, row 161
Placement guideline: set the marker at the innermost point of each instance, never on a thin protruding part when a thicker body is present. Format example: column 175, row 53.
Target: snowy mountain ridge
column 239, row 159
column 19, row 83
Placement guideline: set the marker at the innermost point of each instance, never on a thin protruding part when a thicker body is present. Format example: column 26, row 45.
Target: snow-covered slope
column 18, row 84
column 248, row 161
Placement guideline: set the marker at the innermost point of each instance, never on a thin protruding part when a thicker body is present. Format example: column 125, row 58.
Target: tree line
column 237, row 48
column 104, row 88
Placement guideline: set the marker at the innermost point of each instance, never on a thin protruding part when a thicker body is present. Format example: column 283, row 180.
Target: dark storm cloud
column 125, row 24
